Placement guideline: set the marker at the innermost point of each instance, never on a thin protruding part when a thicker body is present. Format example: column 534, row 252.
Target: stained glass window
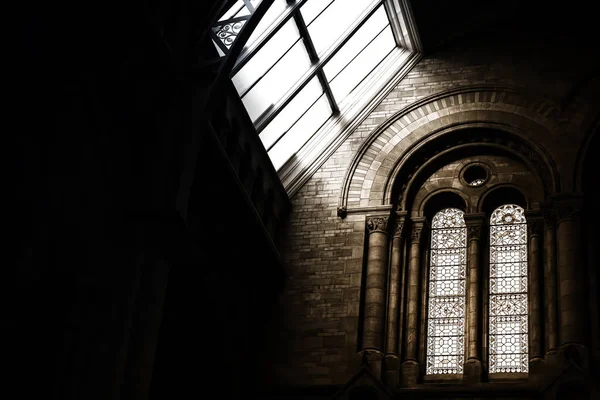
column 446, row 308
column 508, row 290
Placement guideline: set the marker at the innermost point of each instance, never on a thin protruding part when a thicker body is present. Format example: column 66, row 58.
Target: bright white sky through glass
column 266, row 57
column 337, row 18
column 266, row 77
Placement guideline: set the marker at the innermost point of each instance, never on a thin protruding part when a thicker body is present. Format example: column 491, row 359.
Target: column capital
column 474, row 222
column 567, row 207
column 377, row 224
column 549, row 215
column 399, row 225
column 535, row 222
column 419, row 228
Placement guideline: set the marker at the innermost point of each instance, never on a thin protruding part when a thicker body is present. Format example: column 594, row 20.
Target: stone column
column 410, row 366
column 535, row 224
column 375, row 299
column 571, row 301
column 391, row 362
column 550, row 290
column 473, row 369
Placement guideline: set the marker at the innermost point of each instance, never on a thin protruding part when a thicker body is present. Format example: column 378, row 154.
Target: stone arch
column 438, row 200
column 503, row 194
column 375, row 168
column 412, row 169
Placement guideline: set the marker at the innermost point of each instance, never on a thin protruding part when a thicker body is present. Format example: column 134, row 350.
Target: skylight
column 308, row 67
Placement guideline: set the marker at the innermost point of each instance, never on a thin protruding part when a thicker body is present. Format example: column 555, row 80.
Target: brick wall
column 315, row 329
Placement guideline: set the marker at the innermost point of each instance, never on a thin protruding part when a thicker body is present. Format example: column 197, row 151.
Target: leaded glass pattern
column 508, row 290
column 446, row 307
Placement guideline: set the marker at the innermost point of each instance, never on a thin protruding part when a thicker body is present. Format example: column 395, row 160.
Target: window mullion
column 249, row 6
column 246, row 55
column 395, row 24
column 314, row 58
column 261, row 123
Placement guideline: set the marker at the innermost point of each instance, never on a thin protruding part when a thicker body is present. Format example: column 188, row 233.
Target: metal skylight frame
column 294, row 11
column 404, row 34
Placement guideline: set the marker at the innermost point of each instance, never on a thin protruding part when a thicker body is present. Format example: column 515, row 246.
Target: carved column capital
column 475, row 224
column 418, row 231
column 377, row 224
column 567, row 211
column 400, row 224
column 474, row 232
column 535, row 222
column 549, row 216
column 399, row 229
column 535, row 227
column 567, row 208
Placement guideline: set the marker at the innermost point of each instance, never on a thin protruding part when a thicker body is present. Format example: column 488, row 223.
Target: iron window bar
column 273, row 111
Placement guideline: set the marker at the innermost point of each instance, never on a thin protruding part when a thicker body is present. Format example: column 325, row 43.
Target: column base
column 472, row 371
column 537, row 370
column 373, row 360
column 410, row 374
column 391, row 370
column 574, row 353
column 551, row 357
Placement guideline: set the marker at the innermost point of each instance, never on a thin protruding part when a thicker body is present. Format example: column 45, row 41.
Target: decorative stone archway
column 369, row 179
column 384, row 178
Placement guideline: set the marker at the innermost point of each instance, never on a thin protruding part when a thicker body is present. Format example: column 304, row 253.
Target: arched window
column 508, row 342
column 446, row 308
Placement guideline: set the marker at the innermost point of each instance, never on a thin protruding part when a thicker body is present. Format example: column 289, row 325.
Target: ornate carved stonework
column 535, row 227
column 398, row 229
column 342, row 212
column 474, row 224
column 377, row 224
column 416, row 234
column 526, row 151
column 549, row 216
column 567, row 210
column 474, row 231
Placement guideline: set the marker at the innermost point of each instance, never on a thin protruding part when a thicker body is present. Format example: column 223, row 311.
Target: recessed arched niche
column 472, row 162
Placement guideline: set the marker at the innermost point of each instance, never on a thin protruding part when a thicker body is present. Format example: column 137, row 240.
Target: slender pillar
column 550, row 289
column 535, row 226
column 391, row 362
column 473, row 369
column 375, row 299
column 423, row 309
column 572, row 315
column 410, row 366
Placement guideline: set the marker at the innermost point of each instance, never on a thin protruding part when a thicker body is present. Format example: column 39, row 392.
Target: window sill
column 508, row 376
column 443, row 378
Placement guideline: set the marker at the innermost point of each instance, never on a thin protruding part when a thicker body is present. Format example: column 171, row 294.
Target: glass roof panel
column 271, row 87
column 357, row 43
column 312, row 8
column 274, row 70
column 328, row 27
column 363, row 64
column 302, row 130
column 233, row 10
column 272, row 14
column 290, row 114
column 266, row 57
